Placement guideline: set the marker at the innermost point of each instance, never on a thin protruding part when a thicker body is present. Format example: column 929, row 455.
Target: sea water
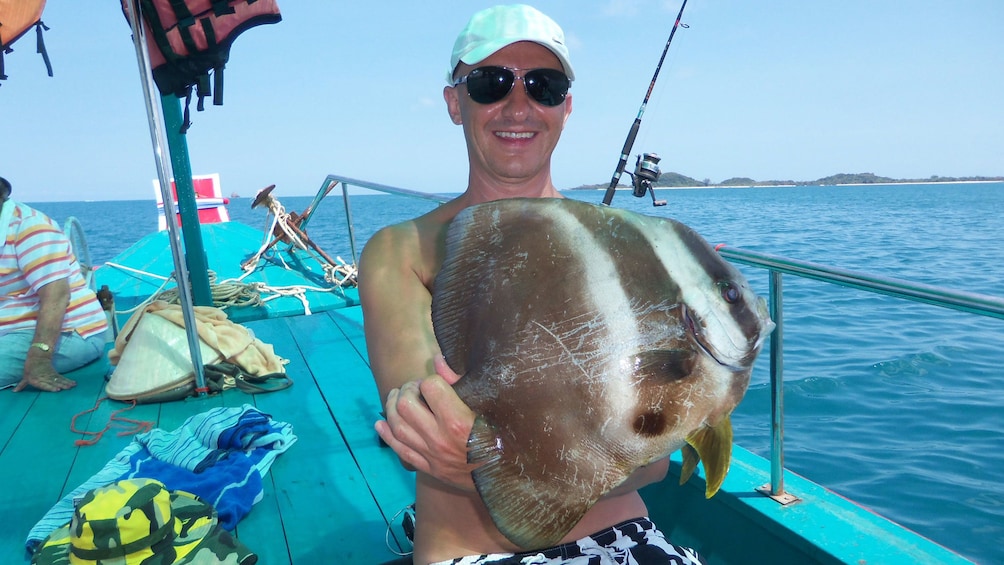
column 896, row 405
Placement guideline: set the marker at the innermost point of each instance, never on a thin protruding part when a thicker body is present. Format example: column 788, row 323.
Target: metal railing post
column 348, row 218
column 776, row 385
column 165, row 172
column 775, row 489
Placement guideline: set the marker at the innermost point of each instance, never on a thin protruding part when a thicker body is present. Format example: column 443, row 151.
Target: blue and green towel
column 219, row 455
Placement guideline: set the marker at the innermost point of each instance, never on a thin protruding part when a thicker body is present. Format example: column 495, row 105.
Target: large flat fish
column 591, row 341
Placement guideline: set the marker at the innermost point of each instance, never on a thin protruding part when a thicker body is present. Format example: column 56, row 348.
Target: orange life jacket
column 16, row 18
column 188, row 39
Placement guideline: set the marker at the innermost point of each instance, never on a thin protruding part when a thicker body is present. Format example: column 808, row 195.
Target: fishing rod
column 648, row 168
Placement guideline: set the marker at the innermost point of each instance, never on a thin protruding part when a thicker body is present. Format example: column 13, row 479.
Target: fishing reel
column 646, row 172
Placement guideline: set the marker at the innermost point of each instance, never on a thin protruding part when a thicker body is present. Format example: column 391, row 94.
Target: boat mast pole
column 165, row 173
column 629, row 142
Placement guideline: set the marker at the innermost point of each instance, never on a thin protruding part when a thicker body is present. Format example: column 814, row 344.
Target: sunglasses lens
column 547, row 86
column 487, row 85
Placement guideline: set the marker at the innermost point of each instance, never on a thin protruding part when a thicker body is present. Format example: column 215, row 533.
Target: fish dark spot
column 650, row 424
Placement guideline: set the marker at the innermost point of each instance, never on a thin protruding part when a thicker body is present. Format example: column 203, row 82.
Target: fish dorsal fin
column 483, row 258
column 529, row 505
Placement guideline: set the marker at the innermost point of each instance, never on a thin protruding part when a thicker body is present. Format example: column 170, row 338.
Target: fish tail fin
column 713, row 446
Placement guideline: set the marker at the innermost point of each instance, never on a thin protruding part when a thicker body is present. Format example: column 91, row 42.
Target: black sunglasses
column 487, row 85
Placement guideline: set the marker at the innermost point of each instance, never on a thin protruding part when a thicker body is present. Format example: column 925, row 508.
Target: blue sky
column 769, row 90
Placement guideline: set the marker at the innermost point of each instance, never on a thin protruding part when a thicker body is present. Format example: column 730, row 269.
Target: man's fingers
column 443, row 370
column 409, row 457
column 407, row 419
column 450, row 411
column 47, row 383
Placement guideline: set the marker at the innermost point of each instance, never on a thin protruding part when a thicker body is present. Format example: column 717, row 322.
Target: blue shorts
column 632, row 542
column 71, row 352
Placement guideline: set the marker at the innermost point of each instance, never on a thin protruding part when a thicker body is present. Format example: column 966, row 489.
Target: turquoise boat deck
column 140, row 271
column 335, row 495
column 328, row 499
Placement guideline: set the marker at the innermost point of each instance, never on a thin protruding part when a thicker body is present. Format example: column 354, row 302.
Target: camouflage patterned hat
column 138, row 522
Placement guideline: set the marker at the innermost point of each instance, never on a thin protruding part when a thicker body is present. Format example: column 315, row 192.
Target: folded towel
column 220, row 455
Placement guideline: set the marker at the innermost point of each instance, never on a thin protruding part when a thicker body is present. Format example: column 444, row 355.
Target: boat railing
column 333, row 180
column 776, row 267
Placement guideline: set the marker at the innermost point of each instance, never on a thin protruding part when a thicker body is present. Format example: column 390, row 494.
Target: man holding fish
column 508, row 88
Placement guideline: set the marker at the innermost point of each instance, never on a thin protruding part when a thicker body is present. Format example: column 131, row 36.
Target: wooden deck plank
column 38, row 456
column 167, row 416
column 327, row 512
column 393, row 495
column 262, row 529
column 92, row 458
column 174, row 414
column 13, row 408
column 317, row 505
column 345, row 380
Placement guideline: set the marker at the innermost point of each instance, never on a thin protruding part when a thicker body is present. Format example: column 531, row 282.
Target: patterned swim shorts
column 634, row 542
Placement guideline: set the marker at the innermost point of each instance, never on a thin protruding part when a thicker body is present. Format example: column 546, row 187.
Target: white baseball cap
column 494, row 28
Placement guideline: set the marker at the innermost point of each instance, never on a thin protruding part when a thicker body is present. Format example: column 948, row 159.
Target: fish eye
column 730, row 292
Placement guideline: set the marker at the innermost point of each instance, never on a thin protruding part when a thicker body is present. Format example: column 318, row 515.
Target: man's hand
column 38, row 372
column 428, row 425
column 53, row 299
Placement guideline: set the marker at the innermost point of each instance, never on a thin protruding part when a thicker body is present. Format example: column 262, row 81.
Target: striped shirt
column 34, row 254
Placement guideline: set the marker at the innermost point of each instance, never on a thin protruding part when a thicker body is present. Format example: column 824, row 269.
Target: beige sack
column 152, row 359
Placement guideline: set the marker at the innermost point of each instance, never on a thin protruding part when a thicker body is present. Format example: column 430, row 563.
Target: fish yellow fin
column 713, row 445
column 690, row 460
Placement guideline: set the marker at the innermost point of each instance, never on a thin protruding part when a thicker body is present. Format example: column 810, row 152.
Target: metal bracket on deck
column 782, row 498
column 288, row 228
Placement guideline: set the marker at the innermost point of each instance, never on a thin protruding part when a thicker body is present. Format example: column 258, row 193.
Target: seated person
column 50, row 320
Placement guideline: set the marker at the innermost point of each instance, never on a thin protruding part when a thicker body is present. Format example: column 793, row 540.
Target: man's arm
column 397, row 308
column 426, row 424
column 54, row 299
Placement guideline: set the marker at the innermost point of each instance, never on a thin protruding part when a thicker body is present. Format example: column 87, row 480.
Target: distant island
column 676, row 180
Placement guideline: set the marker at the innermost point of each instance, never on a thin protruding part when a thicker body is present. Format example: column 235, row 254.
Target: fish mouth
column 694, row 328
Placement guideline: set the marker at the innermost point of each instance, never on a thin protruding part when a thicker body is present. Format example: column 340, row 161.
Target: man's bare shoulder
column 393, row 237
column 404, row 238
column 410, row 245
column 388, row 253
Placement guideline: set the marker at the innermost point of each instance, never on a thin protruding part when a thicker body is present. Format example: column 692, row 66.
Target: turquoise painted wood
column 740, row 525
column 347, row 383
column 317, row 507
column 38, row 452
column 326, row 489
column 188, row 208
column 228, row 245
column 333, row 497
